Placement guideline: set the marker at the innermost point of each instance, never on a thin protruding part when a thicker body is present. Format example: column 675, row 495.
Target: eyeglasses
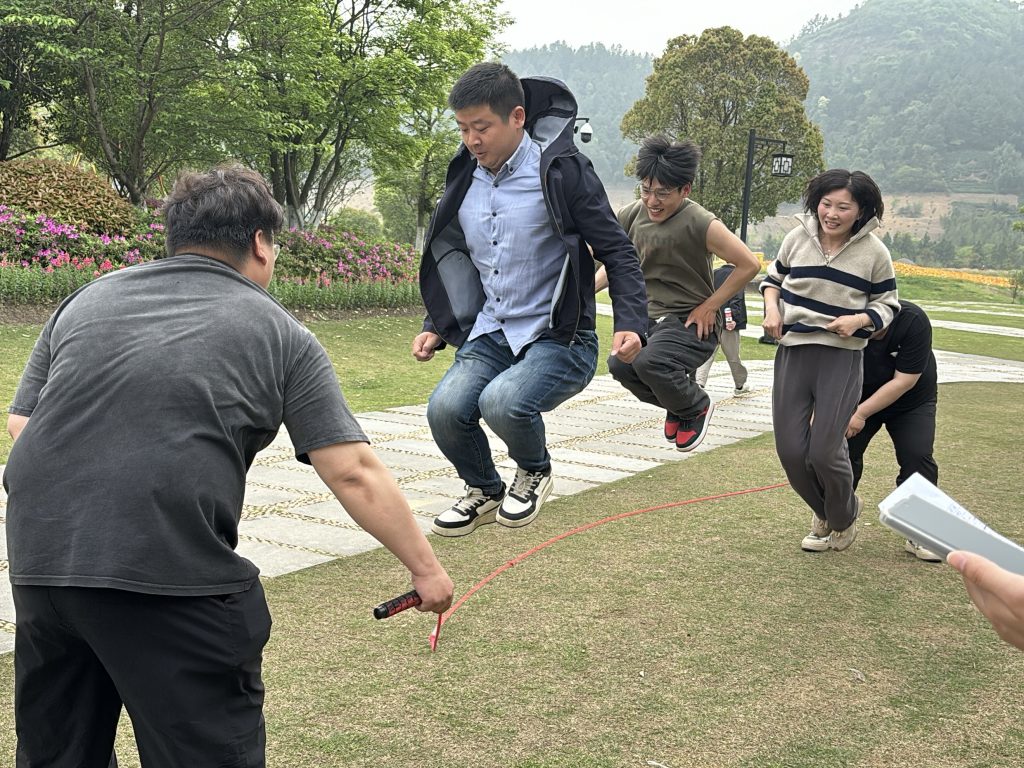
column 661, row 195
column 277, row 250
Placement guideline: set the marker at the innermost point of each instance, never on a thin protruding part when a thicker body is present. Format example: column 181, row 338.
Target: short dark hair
column 222, row 207
column 671, row 162
column 488, row 83
column 860, row 186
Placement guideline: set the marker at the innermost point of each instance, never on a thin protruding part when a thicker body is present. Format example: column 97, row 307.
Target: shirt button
column 495, row 271
column 494, row 213
column 498, row 299
column 494, row 242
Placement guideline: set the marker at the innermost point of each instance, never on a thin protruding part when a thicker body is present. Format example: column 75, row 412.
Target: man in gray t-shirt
column 146, row 399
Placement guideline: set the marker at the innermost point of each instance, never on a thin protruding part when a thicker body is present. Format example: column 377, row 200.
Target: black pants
column 187, row 670
column 913, row 439
column 663, row 373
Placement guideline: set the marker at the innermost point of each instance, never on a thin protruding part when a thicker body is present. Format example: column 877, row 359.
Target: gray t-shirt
column 150, row 391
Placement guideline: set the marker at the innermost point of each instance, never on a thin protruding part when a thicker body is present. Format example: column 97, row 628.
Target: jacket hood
column 550, row 112
column 810, row 224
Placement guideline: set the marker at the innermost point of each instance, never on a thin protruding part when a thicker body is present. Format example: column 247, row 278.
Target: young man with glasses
column 676, row 240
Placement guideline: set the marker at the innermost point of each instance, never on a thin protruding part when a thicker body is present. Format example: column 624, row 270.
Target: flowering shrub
column 38, row 242
column 328, row 255
column 43, row 260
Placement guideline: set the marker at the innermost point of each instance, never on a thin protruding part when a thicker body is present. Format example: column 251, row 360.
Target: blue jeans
column 509, row 392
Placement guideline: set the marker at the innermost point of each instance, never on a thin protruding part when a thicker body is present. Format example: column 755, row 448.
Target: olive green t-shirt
column 673, row 256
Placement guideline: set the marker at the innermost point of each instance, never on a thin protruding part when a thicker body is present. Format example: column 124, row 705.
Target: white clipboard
column 927, row 516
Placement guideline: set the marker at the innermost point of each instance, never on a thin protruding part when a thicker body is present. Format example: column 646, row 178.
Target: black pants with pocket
column 663, row 374
column 913, row 439
column 186, row 669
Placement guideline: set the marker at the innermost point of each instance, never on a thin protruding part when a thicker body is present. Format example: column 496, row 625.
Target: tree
column 713, row 89
column 32, row 70
column 142, row 104
column 332, row 80
column 409, row 177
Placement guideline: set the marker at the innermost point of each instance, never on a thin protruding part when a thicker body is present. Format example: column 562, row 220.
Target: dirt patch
column 25, row 314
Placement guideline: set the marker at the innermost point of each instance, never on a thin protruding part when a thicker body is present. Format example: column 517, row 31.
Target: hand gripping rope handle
column 402, row 602
column 397, row 605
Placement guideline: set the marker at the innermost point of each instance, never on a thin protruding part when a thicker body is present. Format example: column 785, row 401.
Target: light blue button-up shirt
column 515, row 247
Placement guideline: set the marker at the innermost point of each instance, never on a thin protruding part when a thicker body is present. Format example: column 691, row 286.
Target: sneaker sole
column 816, row 545
column 521, row 521
column 468, row 528
column 702, row 434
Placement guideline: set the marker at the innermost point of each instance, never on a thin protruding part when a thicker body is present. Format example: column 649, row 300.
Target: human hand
column 772, row 323
column 423, row 346
column 626, row 346
column 703, row 317
column 847, row 325
column 998, row 594
column 855, row 426
column 435, row 590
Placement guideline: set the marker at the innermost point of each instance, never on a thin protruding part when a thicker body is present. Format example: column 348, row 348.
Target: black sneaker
column 524, row 499
column 473, row 509
column 692, row 431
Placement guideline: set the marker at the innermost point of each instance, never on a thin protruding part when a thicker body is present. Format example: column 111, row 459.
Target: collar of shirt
column 514, row 163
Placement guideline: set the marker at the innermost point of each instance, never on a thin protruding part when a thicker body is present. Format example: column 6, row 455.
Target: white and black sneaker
column 473, row 509
column 524, row 499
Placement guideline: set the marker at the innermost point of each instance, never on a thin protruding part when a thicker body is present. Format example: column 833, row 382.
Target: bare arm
column 370, row 495
column 15, row 424
column 600, row 279
column 729, row 248
column 886, row 395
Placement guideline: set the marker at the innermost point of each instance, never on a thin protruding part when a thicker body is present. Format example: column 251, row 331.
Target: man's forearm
column 371, row 497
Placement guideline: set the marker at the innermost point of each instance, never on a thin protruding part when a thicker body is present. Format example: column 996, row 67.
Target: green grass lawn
column 695, row 636
column 698, row 635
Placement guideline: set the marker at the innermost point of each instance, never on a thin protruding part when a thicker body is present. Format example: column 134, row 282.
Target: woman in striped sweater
column 830, row 287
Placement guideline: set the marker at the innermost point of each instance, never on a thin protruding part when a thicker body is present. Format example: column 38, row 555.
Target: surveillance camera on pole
column 586, row 131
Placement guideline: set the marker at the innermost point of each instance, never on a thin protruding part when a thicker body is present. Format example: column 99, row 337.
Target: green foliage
column 606, row 83
column 409, row 176
column 154, row 87
column 69, row 193
column 925, row 95
column 714, row 89
column 33, row 66
column 366, row 225
column 345, row 296
column 331, row 84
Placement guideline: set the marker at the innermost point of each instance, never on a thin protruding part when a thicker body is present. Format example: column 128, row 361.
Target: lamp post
column 782, row 165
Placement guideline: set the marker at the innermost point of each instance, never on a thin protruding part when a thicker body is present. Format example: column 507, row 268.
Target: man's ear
column 518, row 116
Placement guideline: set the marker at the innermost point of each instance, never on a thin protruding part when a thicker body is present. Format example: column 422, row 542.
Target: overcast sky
column 646, row 25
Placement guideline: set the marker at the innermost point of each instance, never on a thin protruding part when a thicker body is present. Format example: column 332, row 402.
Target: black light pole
column 782, row 165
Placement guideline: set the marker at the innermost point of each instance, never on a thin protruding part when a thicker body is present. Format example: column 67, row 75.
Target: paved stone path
column 291, row 521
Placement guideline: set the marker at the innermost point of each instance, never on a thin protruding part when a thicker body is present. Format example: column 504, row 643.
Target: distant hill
column 606, row 83
column 926, row 95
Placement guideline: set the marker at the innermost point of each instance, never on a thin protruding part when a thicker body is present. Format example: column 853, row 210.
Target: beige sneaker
column 840, row 540
column 921, row 553
column 817, row 539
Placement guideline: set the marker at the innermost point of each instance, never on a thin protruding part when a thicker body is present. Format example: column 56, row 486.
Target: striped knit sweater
column 817, row 289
